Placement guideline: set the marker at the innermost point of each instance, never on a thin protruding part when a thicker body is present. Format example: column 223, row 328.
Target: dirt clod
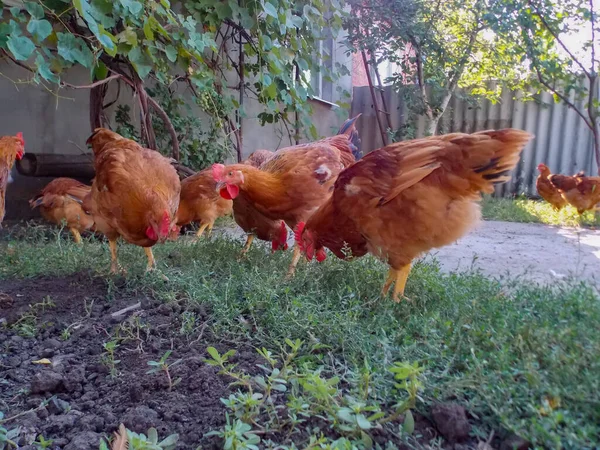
column 47, row 381
column 88, row 440
column 451, row 421
column 140, row 418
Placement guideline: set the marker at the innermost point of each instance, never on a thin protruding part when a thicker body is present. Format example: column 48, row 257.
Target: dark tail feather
column 35, row 202
column 349, row 129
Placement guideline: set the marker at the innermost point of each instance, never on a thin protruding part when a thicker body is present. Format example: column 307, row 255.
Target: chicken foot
column 151, row 261
column 76, row 235
column 398, row 277
column 201, row 230
column 247, row 246
column 295, row 258
column 114, row 263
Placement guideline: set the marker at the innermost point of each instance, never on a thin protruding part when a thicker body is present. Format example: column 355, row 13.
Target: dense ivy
column 195, row 43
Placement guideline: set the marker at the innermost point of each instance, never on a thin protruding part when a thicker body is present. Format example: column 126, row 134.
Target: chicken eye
column 230, row 174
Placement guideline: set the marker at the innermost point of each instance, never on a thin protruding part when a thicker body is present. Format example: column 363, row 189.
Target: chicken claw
column 115, row 268
column 76, row 235
column 151, row 261
column 244, row 251
column 295, row 258
column 398, row 277
column 151, row 267
column 201, row 230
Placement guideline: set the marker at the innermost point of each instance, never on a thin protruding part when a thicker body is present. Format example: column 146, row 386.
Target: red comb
column 298, row 234
column 165, row 225
column 283, row 233
column 20, row 137
column 218, row 170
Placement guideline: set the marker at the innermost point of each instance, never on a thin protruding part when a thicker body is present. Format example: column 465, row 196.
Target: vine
column 222, row 52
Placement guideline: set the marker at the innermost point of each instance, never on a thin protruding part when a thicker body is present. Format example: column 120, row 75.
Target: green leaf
column 171, row 53
column 100, row 71
column 214, row 353
column 140, row 62
column 44, row 70
column 223, row 10
column 270, row 10
column 41, row 29
column 21, row 47
column 133, row 6
column 169, row 442
column 75, row 50
column 362, row 422
column 35, row 10
column 148, row 33
column 107, row 40
column 409, row 423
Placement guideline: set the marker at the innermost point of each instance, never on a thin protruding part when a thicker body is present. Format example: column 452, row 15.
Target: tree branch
column 165, row 117
column 563, row 97
column 557, row 38
column 90, row 86
column 421, row 79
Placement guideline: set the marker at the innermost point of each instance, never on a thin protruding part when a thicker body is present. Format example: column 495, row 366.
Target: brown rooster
column 294, row 182
column 135, row 194
column 11, row 148
column 61, row 200
column 412, row 196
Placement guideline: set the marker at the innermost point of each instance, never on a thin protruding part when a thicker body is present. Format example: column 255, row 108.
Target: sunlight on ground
column 533, row 211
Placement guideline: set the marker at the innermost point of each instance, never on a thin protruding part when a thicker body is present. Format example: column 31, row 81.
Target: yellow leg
column 401, row 283
column 114, row 264
column 388, row 282
column 151, row 261
column 295, row 258
column 210, row 228
column 76, row 235
column 249, row 240
column 201, row 230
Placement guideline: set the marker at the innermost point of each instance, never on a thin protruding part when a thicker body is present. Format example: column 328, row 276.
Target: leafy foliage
column 435, row 47
column 309, row 391
column 221, row 51
column 558, row 42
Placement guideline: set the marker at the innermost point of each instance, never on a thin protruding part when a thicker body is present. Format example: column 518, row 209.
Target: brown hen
column 200, row 202
column 547, row 190
column 61, row 201
column 11, row 148
column 294, row 182
column 412, row 196
column 135, row 194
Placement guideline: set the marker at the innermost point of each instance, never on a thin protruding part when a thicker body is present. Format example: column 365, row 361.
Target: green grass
column 505, row 351
column 525, row 210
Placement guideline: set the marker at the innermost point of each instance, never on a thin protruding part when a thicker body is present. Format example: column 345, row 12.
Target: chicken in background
column 580, row 191
column 412, row 196
column 135, row 193
column 255, row 223
column 11, row 148
column 259, row 157
column 547, row 190
column 294, row 182
column 61, row 200
column 200, row 202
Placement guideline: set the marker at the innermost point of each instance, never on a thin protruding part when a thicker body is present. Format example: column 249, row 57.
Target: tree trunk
column 432, row 124
column 596, row 135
